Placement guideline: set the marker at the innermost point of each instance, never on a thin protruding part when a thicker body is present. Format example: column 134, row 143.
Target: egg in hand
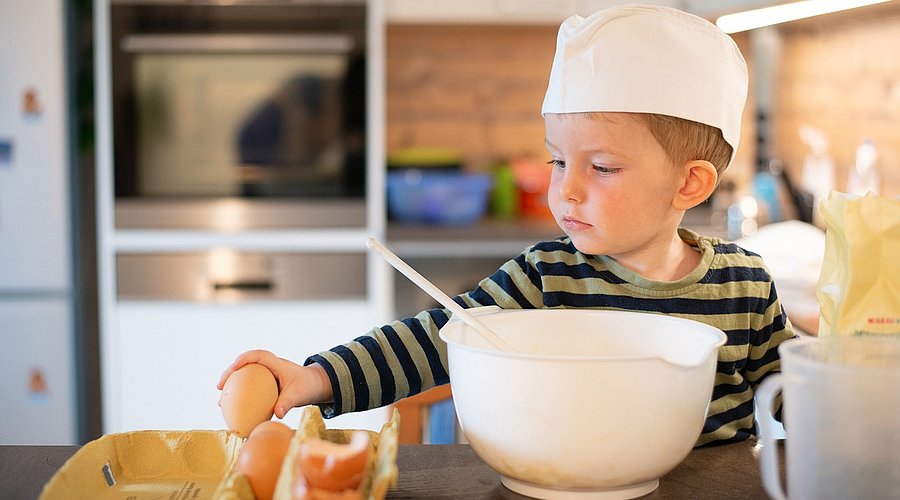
column 248, row 398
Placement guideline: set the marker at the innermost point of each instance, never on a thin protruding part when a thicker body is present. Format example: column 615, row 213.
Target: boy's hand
column 297, row 385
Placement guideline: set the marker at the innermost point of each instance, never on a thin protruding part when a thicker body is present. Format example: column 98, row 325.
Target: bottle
column 818, row 169
column 766, row 190
column 505, row 196
column 864, row 175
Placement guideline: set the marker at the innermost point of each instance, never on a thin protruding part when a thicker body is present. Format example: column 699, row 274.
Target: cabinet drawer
column 227, row 275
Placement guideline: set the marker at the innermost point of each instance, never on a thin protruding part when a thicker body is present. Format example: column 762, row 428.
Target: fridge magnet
column 6, row 152
column 37, row 385
column 31, row 104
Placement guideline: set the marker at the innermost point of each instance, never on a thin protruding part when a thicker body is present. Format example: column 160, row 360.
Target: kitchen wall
column 478, row 88
column 841, row 74
column 474, row 88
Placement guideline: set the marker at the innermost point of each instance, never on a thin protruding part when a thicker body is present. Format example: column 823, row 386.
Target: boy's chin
column 586, row 245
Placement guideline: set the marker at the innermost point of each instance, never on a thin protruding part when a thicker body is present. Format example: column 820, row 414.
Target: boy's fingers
column 283, row 405
column 222, row 378
column 243, row 359
column 227, row 373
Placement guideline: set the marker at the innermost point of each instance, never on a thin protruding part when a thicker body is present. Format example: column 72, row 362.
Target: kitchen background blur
column 95, row 336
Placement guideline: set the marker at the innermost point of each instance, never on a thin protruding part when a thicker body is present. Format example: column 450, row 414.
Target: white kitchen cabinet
column 171, row 354
column 162, row 353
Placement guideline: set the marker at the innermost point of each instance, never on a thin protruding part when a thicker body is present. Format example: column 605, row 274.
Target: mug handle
column 768, row 458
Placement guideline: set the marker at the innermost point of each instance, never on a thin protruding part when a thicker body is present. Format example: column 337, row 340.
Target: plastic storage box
column 420, row 196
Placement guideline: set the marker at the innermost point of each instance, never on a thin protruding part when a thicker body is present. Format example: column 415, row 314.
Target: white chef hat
column 649, row 59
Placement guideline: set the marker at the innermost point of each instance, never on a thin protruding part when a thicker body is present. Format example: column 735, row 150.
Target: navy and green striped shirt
column 730, row 289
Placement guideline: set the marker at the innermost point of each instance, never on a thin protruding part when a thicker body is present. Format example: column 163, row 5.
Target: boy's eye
column 557, row 163
column 605, row 170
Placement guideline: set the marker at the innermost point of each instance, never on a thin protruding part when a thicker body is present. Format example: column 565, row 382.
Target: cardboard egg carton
column 381, row 471
column 201, row 464
column 147, row 464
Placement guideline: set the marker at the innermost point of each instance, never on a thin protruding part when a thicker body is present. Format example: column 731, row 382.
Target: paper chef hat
column 649, row 59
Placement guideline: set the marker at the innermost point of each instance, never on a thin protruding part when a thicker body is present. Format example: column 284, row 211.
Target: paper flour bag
column 859, row 285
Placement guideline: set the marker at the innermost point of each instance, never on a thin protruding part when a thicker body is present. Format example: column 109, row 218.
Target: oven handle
column 249, row 286
column 339, row 44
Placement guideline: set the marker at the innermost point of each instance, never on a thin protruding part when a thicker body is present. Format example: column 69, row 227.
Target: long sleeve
column 407, row 356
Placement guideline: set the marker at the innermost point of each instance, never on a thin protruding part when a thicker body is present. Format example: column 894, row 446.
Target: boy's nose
column 571, row 185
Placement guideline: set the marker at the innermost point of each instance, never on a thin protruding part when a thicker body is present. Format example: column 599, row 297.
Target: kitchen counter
column 450, row 471
column 491, row 237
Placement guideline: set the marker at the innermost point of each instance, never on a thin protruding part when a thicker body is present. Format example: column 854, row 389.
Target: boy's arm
column 407, row 356
column 388, row 363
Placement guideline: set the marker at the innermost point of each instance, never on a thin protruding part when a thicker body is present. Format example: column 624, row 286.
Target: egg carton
column 147, row 464
column 201, row 464
column 381, row 470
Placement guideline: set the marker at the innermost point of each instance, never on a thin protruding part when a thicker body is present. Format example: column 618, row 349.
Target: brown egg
column 261, row 456
column 273, row 426
column 248, row 398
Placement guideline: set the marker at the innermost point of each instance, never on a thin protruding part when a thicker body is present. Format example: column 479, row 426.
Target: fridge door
column 37, row 390
column 37, row 375
column 34, row 197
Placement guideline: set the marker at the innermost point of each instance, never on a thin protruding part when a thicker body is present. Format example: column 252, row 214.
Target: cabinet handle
column 315, row 44
column 244, row 285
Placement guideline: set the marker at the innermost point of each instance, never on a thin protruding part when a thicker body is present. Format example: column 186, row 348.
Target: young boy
column 642, row 116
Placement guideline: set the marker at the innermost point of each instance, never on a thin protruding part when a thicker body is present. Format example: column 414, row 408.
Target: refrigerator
column 38, row 383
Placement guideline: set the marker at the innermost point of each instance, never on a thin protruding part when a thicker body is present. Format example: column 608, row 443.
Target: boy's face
column 612, row 184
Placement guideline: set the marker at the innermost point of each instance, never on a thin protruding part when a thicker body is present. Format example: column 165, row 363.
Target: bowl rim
column 720, row 336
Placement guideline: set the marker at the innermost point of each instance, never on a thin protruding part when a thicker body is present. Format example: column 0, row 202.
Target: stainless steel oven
column 239, row 115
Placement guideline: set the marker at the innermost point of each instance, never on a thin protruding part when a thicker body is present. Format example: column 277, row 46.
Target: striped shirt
column 730, row 289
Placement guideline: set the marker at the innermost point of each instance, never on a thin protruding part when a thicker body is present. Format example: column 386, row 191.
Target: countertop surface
column 491, row 237
column 450, row 471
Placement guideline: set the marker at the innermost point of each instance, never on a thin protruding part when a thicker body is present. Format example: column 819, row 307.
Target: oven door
column 239, row 116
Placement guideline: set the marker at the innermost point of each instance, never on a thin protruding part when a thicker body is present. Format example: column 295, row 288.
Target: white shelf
column 319, row 240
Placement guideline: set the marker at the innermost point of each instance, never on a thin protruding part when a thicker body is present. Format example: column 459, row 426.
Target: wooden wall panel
column 841, row 74
column 479, row 89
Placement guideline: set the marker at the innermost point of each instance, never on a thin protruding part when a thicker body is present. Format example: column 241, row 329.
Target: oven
column 239, row 115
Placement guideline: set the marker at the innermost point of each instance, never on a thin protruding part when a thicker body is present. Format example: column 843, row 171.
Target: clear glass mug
column 842, row 419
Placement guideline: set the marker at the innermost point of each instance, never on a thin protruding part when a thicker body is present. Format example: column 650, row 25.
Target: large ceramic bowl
column 598, row 404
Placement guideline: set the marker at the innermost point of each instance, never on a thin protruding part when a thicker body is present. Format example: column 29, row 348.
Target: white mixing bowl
column 595, row 404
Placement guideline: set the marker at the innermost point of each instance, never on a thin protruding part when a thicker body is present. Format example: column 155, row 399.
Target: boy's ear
column 698, row 180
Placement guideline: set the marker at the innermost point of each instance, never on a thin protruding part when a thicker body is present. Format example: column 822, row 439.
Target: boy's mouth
column 573, row 224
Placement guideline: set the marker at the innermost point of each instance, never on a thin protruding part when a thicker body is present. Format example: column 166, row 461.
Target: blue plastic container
column 421, row 196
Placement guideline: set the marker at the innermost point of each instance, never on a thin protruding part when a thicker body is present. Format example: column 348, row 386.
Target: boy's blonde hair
column 682, row 140
column 686, row 140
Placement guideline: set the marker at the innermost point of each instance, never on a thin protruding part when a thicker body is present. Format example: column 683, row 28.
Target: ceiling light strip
column 757, row 18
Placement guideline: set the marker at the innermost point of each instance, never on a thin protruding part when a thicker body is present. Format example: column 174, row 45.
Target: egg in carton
column 380, row 471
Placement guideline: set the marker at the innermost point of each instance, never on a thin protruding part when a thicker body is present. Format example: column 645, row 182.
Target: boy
column 642, row 116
